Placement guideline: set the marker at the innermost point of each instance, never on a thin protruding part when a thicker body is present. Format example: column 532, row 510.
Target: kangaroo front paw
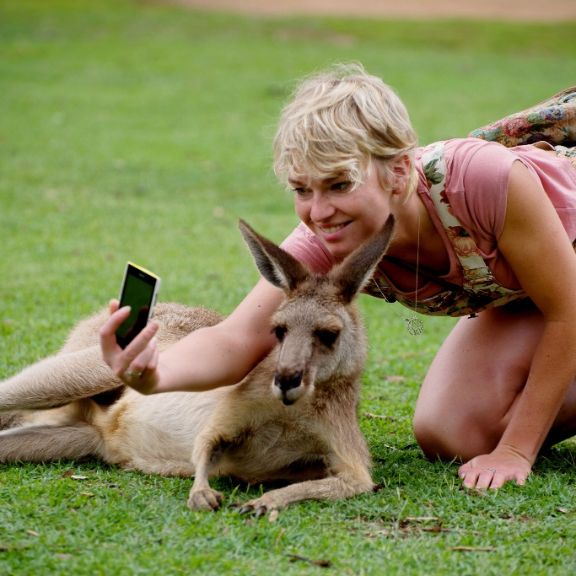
column 204, row 499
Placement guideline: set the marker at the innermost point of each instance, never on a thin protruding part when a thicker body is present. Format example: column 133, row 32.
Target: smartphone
column 139, row 291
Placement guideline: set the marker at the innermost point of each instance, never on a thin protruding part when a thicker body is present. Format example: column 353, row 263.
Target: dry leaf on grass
column 472, row 549
column 321, row 563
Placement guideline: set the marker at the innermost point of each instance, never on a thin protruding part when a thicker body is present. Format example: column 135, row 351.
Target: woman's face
column 341, row 216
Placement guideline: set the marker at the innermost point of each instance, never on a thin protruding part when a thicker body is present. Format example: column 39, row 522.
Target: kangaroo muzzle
column 288, row 384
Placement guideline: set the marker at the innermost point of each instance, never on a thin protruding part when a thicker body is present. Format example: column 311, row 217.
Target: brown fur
column 292, row 418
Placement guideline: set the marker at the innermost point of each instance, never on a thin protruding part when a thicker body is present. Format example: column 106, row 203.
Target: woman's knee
column 430, row 437
column 448, row 437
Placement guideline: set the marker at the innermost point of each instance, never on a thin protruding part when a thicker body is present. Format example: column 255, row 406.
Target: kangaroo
column 292, row 418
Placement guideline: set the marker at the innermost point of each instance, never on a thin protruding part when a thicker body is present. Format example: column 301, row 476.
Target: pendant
column 414, row 325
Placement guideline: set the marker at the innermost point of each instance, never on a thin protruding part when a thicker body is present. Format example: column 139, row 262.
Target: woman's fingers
column 140, row 353
column 484, row 478
column 108, row 343
column 494, row 470
column 141, row 372
column 136, row 364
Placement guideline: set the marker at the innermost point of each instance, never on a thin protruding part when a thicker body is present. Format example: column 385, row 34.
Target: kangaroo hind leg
column 10, row 419
column 58, row 380
column 48, row 443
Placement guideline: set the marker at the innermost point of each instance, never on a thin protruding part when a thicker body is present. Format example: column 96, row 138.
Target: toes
column 259, row 509
column 253, row 507
column 205, row 499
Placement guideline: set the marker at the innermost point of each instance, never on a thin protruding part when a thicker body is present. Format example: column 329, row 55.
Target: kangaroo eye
column 327, row 337
column 279, row 332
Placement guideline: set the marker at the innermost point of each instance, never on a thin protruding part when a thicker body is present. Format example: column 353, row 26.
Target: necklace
column 414, row 324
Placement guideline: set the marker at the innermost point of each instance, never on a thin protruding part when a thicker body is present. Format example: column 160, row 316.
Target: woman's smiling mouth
column 332, row 229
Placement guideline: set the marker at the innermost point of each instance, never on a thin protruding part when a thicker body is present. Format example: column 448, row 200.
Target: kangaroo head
column 320, row 335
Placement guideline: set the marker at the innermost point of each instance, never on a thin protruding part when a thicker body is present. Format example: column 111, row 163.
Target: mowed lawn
column 134, row 130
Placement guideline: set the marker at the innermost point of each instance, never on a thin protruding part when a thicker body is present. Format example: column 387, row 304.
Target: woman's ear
column 401, row 168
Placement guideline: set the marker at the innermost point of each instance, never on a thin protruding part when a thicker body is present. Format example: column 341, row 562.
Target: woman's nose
column 320, row 208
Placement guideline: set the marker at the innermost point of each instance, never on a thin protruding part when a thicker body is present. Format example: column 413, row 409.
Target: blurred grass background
column 137, row 130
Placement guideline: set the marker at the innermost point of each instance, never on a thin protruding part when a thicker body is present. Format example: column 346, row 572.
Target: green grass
column 133, row 130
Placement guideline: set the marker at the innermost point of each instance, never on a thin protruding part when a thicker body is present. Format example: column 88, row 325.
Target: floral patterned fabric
column 569, row 153
column 552, row 121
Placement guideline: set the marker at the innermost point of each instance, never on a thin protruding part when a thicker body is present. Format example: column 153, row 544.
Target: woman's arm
column 539, row 251
column 207, row 358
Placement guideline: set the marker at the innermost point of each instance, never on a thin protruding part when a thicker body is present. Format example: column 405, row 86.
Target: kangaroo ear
column 357, row 269
column 275, row 264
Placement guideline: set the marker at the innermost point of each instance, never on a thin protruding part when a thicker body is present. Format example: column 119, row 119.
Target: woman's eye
column 301, row 192
column 342, row 186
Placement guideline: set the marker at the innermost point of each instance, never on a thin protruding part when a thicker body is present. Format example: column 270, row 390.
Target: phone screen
column 139, row 291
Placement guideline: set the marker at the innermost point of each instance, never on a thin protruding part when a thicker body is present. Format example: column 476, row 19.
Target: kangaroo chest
column 274, row 450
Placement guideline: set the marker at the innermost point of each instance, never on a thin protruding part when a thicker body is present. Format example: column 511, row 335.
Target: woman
column 482, row 231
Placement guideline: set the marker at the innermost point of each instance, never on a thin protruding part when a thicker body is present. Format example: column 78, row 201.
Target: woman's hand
column 137, row 364
column 495, row 469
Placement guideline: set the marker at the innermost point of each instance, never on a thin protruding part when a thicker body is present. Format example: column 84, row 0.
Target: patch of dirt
column 520, row 10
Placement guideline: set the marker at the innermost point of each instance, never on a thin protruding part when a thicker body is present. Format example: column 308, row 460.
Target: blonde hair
column 339, row 121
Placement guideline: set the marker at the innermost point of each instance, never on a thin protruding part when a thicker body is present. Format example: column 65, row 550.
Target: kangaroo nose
column 288, row 381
